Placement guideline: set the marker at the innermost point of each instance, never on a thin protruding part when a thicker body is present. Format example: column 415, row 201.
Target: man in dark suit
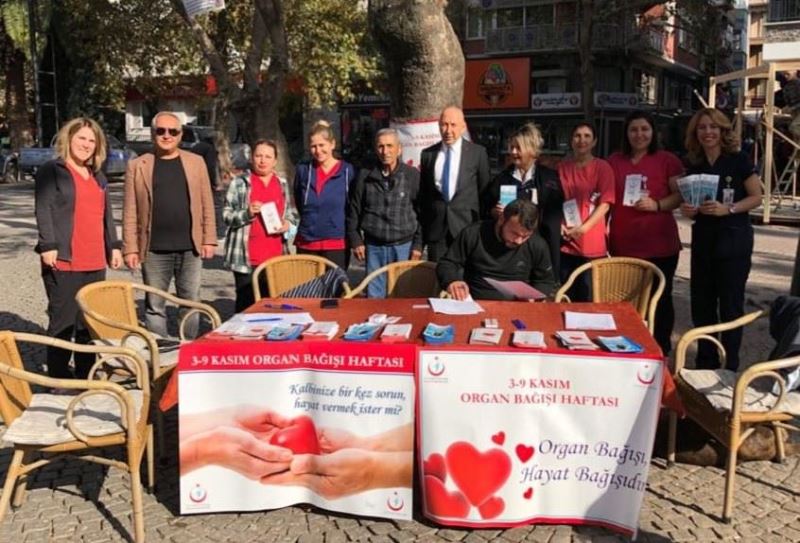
column 454, row 175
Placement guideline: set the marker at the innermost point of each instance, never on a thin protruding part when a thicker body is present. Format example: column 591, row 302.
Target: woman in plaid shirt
column 248, row 240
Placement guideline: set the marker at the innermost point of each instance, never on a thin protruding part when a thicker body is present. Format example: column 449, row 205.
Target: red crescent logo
column 398, row 500
column 644, row 380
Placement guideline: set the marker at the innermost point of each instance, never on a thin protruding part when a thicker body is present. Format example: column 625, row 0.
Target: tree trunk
column 16, row 100
column 424, row 60
column 585, row 27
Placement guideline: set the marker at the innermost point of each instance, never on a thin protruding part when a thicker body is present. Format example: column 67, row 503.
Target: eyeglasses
column 174, row 132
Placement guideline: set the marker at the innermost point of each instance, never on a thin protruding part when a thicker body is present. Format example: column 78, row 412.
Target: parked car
column 9, row 165
column 118, row 155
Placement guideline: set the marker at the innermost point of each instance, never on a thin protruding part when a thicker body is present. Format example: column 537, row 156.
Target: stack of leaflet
column 619, row 344
column 698, row 188
column 284, row 332
column 321, row 330
column 362, row 331
column 576, row 340
column 396, row 333
column 485, row 336
column 437, row 334
column 527, row 339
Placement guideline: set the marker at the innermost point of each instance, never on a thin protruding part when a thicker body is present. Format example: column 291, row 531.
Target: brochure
column 285, row 332
column 619, row 344
column 363, row 331
column 576, row 340
column 321, row 330
column 528, row 339
column 394, row 333
column 572, row 216
column 508, row 193
column 633, row 189
column 485, row 336
column 518, row 290
column 438, row 334
column 272, row 219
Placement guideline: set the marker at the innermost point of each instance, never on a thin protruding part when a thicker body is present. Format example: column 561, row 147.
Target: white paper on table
column 274, row 318
column 633, row 189
column 574, row 320
column 572, row 216
column 519, row 290
column 272, row 219
column 447, row 306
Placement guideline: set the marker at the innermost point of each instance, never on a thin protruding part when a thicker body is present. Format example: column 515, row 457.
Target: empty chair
column 622, row 279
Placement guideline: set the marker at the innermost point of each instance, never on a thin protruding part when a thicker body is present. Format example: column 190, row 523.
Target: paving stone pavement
column 73, row 501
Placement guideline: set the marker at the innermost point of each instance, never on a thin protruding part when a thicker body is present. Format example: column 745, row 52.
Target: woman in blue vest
column 320, row 193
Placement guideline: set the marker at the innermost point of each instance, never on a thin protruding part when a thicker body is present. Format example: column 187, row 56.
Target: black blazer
column 438, row 217
column 551, row 198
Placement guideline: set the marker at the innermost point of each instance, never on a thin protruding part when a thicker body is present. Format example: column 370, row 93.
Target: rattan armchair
column 288, row 271
column 622, row 279
column 730, row 405
column 43, row 427
column 406, row 279
column 109, row 310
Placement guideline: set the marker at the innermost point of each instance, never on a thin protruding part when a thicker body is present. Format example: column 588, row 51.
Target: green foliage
column 15, row 20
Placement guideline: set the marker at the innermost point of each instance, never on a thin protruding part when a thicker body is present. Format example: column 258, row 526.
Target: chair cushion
column 167, row 355
column 717, row 386
column 44, row 422
column 328, row 285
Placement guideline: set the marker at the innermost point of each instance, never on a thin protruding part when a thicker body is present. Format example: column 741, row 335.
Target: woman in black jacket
column 77, row 237
column 526, row 179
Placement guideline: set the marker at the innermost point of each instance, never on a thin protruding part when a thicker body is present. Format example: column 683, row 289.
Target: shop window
column 540, row 15
column 784, row 10
column 608, row 79
column 510, row 17
column 550, row 85
column 647, row 87
column 479, row 22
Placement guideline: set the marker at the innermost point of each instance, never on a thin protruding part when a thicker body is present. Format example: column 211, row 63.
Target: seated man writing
column 505, row 249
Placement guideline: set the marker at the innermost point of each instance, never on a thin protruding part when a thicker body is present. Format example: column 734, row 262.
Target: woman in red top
column 588, row 184
column 642, row 224
column 248, row 241
column 77, row 237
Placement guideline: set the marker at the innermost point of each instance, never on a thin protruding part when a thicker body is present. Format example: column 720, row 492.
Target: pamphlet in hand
column 395, row 333
column 572, row 216
column 438, row 334
column 576, row 340
column 508, row 193
column 619, row 344
column 698, row 188
column 272, row 219
column 527, row 339
column 321, row 330
column 633, row 189
column 518, row 290
column 485, row 336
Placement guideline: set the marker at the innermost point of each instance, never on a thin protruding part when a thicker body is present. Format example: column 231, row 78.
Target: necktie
column 446, row 175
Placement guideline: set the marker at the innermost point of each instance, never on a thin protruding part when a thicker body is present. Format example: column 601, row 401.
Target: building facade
column 523, row 64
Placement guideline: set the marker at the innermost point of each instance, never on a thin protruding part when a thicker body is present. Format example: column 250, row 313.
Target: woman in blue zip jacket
column 320, row 192
column 722, row 237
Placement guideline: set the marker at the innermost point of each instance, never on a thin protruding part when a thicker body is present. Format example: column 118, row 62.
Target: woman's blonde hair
column 70, row 128
column 323, row 128
column 528, row 138
column 729, row 141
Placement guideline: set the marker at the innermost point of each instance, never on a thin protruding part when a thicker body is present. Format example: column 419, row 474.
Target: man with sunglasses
column 168, row 220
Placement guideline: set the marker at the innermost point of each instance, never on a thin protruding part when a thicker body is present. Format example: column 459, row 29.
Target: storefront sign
column 508, row 439
column 616, row 100
column 499, row 83
column 556, row 100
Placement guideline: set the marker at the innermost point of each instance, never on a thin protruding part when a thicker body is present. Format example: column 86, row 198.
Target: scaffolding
column 786, row 182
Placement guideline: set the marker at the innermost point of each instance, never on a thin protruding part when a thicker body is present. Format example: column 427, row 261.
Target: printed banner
column 416, row 136
column 510, row 438
column 268, row 424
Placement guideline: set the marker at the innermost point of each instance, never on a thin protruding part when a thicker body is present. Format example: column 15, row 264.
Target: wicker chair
column 43, row 426
column 730, row 405
column 407, row 279
column 622, row 279
column 109, row 310
column 288, row 271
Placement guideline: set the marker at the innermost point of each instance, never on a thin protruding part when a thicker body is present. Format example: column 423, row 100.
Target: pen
column 270, row 319
column 518, row 324
column 282, row 306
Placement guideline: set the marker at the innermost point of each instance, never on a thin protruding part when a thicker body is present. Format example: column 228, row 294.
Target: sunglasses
column 174, row 132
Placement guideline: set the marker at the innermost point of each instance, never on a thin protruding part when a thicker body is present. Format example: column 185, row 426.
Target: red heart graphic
column 435, row 467
column 478, row 475
column 524, row 453
column 441, row 503
column 491, row 507
column 528, row 493
column 499, row 438
column 300, row 436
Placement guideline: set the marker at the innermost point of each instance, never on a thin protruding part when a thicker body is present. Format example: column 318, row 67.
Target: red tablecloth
column 544, row 317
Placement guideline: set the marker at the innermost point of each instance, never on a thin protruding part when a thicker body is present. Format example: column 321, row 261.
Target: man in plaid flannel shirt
column 383, row 214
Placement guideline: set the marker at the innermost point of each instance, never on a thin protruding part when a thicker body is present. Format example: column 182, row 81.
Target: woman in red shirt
column 642, row 224
column 588, row 184
column 248, row 240
column 77, row 237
